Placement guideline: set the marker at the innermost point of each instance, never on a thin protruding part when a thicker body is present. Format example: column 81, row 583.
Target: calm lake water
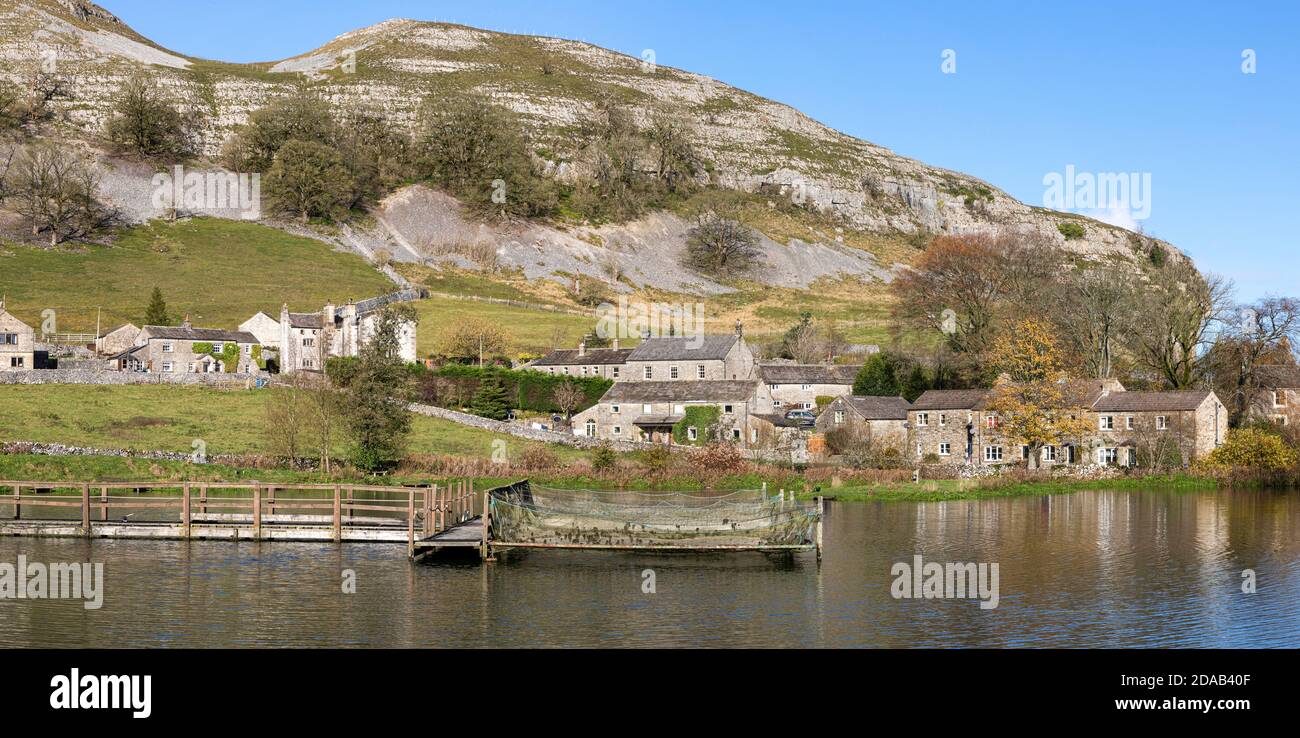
column 1097, row 568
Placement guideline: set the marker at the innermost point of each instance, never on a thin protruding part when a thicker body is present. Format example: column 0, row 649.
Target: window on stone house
column 1279, row 398
column 1128, row 422
column 647, row 409
column 839, row 417
column 805, row 386
column 922, row 420
column 1162, row 422
column 618, row 430
column 1106, row 422
column 167, row 348
column 613, row 409
column 1107, row 455
column 943, row 419
column 699, row 371
column 649, row 372
column 1049, row 453
column 992, row 453
column 727, row 409
column 614, row 371
column 753, row 435
column 990, row 421
column 776, row 403
column 591, row 429
column 672, row 372
column 17, row 362
column 167, row 366
column 691, row 433
column 945, row 449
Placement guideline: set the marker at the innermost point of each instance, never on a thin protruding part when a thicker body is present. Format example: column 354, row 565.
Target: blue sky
column 1126, row 87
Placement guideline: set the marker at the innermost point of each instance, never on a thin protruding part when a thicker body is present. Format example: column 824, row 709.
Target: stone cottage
column 693, row 359
column 797, row 386
column 186, row 349
column 1177, row 427
column 1278, row 398
column 119, row 339
column 883, row 420
column 648, row 410
column 17, row 343
column 584, row 362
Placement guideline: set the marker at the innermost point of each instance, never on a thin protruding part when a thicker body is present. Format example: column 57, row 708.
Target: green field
column 531, row 330
column 171, row 418
column 220, row 272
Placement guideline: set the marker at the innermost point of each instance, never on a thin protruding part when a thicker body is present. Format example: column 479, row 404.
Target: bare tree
column 287, row 414
column 1256, row 336
column 1094, row 309
column 57, row 192
column 474, row 337
column 324, row 411
column 1172, row 317
column 567, row 397
column 719, row 246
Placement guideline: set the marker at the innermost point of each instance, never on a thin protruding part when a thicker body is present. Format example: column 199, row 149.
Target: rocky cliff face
column 753, row 144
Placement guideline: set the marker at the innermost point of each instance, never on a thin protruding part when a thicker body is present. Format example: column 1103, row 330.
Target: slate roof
column 683, row 348
column 878, row 408
column 681, row 391
column 1170, row 401
column 305, row 320
column 968, row 399
column 809, row 373
column 592, row 357
column 180, row 333
column 658, row 420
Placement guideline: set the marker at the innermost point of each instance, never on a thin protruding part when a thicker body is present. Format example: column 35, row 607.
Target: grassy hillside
column 219, row 271
column 170, row 418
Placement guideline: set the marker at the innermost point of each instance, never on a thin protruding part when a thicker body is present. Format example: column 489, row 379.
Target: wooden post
column 485, row 549
column 85, row 508
column 338, row 516
column 18, row 507
column 764, row 491
column 270, row 499
column 821, row 509
column 103, row 503
column 429, row 493
column 203, row 499
column 185, row 508
column 351, row 511
column 410, row 523
column 257, row 510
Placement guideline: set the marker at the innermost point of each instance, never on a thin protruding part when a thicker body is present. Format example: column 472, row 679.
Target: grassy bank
column 220, row 272
column 975, row 489
column 172, row 417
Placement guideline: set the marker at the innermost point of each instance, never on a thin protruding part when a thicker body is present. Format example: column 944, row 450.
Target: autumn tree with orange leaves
column 1029, row 398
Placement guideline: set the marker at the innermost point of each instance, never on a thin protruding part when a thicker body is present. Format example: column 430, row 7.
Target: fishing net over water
column 523, row 513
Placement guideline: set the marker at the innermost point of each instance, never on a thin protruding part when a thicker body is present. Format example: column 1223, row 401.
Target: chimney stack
column 740, row 328
column 186, row 323
column 582, row 347
column 616, row 343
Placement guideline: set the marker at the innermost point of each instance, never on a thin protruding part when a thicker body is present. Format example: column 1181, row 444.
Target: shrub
column 1071, row 231
column 603, row 458
column 931, row 458
column 718, row 457
column 1251, row 448
column 539, row 457
column 657, row 458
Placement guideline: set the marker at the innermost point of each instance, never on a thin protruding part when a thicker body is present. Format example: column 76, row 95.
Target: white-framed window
column 614, row 372
column 167, row 366
column 945, row 449
column 839, row 417
column 735, row 434
column 584, row 371
column 922, row 420
column 992, row 453
column 775, row 386
column 595, row 371
column 1107, row 455
column 691, row 433
column 805, row 386
column 727, row 409
column 167, row 348
column 647, row 409
column 1024, row 453
column 943, row 419
column 699, row 371
column 613, row 409
column 809, row 405
column 753, row 435
column 920, row 450
column 17, row 362
column 1049, row 453
column 649, row 372
column 990, row 421
column 218, row 347
column 1162, row 422
column 192, row 365
column 591, row 429
column 1132, row 457
column 1106, row 422
column 1128, row 422
column 566, row 370
column 776, row 403
column 618, row 430
column 248, row 349
column 1279, row 398
column 672, row 372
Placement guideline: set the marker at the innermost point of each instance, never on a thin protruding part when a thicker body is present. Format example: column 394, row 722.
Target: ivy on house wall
column 703, row 418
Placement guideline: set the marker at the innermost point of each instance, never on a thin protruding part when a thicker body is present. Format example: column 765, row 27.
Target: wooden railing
column 422, row 510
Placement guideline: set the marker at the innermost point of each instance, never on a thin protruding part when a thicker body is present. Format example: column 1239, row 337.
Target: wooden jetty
column 238, row 511
column 428, row 519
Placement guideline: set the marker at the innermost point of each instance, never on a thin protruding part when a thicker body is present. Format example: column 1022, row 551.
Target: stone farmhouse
column 955, row 426
column 671, row 358
column 17, row 343
column 648, row 410
column 584, row 362
column 882, row 419
column 306, row 340
column 186, row 349
column 797, row 386
column 1279, row 396
column 117, row 340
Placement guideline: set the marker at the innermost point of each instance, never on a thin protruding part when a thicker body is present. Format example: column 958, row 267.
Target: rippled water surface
column 1096, row 568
